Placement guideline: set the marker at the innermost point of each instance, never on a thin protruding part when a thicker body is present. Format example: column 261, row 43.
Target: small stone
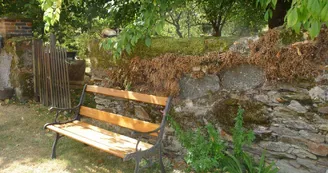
column 242, row 44
column 280, row 130
column 275, row 146
column 303, row 154
column 323, row 110
column 280, row 100
column 312, row 136
column 322, row 78
column 282, row 111
column 294, row 163
column 7, row 101
column 141, row 113
column 299, row 124
column 285, row 167
column 301, row 97
column 195, row 69
column 319, row 93
column 323, row 127
column 297, row 107
column 261, row 130
column 280, row 155
column 262, row 98
column 307, row 163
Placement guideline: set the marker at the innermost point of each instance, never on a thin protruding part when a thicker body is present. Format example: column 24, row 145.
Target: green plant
column 240, row 136
column 247, row 164
column 206, row 151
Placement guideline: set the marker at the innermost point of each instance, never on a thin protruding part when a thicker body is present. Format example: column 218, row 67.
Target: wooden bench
column 119, row 145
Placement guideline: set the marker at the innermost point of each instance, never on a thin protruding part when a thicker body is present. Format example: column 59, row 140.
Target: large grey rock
column 193, row 88
column 243, row 77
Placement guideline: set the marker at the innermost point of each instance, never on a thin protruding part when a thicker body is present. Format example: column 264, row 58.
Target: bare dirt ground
column 26, row 147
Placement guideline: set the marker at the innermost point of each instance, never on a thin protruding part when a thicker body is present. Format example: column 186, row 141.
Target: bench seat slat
column 130, row 123
column 128, row 95
column 114, row 143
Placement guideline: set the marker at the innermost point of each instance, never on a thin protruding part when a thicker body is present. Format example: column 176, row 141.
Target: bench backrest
column 123, row 121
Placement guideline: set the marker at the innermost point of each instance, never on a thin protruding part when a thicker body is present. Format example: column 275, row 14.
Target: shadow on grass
column 26, row 147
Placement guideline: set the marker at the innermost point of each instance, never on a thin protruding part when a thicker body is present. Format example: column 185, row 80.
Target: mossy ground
column 101, row 58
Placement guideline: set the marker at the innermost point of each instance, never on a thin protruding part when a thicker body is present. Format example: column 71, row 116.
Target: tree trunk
column 278, row 14
column 216, row 30
column 177, row 29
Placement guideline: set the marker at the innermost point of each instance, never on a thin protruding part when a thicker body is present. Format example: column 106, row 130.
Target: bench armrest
column 59, row 110
column 58, row 113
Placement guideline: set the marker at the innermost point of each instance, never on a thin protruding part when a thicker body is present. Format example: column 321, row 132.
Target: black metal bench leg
column 53, row 154
column 161, row 160
column 136, row 170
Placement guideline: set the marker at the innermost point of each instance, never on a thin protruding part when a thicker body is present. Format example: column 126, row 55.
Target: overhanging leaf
column 292, row 18
column 324, row 13
column 314, row 28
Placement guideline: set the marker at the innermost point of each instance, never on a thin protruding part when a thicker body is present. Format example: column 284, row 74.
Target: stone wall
column 290, row 120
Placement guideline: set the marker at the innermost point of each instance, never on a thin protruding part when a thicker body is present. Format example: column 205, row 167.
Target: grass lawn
column 26, row 147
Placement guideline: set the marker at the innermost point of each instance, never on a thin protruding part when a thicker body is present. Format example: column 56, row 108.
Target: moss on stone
column 225, row 113
column 25, row 81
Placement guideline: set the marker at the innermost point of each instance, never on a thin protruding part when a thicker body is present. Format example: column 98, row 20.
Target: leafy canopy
column 309, row 14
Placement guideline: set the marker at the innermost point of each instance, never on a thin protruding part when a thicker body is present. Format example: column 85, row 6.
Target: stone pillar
column 16, row 75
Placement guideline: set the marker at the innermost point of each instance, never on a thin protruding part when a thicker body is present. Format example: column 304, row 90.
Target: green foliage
column 207, row 152
column 139, row 19
column 246, row 163
column 239, row 135
column 88, row 46
column 204, row 151
column 306, row 14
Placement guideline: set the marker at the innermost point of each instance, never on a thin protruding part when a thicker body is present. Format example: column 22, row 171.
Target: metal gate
column 51, row 81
